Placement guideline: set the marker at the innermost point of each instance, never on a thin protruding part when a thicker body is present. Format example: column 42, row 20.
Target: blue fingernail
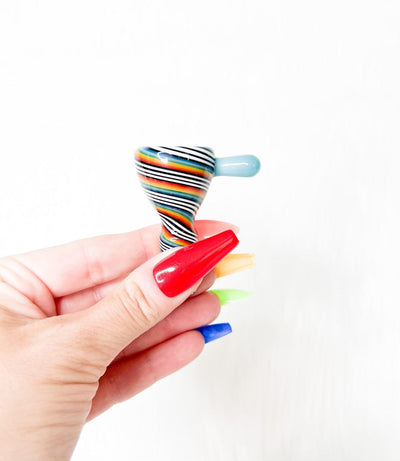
column 214, row 331
column 241, row 165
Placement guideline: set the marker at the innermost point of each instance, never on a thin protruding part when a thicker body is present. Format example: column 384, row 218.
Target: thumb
column 148, row 295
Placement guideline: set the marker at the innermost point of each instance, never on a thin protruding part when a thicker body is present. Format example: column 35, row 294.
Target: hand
column 84, row 326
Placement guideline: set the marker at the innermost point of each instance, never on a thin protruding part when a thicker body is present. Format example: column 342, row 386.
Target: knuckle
column 94, row 267
column 114, row 389
column 97, row 294
column 140, row 309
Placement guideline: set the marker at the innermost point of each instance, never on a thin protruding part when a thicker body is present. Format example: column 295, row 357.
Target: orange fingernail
column 235, row 263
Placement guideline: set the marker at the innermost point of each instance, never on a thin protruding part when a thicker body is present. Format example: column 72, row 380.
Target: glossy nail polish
column 235, row 263
column 214, row 331
column 230, row 295
column 179, row 271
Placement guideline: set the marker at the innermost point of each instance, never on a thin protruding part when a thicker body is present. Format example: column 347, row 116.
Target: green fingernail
column 231, row 295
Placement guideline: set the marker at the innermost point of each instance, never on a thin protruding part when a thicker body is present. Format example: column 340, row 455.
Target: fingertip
column 207, row 282
column 213, row 297
column 191, row 345
column 207, row 227
column 213, row 303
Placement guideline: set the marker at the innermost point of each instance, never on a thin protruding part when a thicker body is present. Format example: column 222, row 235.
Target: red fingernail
column 185, row 267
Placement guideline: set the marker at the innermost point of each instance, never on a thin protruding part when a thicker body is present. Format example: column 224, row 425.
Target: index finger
column 66, row 269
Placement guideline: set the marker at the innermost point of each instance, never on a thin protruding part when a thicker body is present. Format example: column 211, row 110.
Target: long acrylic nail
column 179, row 271
column 235, row 263
column 230, row 295
column 214, row 331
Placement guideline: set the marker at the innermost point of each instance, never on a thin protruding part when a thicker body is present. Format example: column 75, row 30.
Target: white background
column 311, row 371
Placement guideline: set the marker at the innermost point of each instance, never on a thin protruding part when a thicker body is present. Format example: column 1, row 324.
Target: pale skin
column 84, row 326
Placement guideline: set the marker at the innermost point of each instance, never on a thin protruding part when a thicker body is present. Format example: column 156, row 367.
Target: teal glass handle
column 239, row 165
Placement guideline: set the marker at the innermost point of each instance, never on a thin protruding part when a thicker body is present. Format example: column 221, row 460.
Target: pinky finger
column 127, row 378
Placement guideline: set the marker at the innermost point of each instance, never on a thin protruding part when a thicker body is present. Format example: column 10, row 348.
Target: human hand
column 89, row 324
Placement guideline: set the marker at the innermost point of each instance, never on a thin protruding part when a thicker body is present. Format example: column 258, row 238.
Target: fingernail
column 214, row 331
column 179, row 271
column 235, row 263
column 230, row 295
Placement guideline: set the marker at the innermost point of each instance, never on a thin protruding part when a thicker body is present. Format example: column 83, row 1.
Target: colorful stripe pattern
column 176, row 180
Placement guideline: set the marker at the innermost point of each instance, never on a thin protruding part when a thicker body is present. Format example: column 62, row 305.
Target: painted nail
column 230, row 295
column 179, row 271
column 235, row 263
column 214, row 331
